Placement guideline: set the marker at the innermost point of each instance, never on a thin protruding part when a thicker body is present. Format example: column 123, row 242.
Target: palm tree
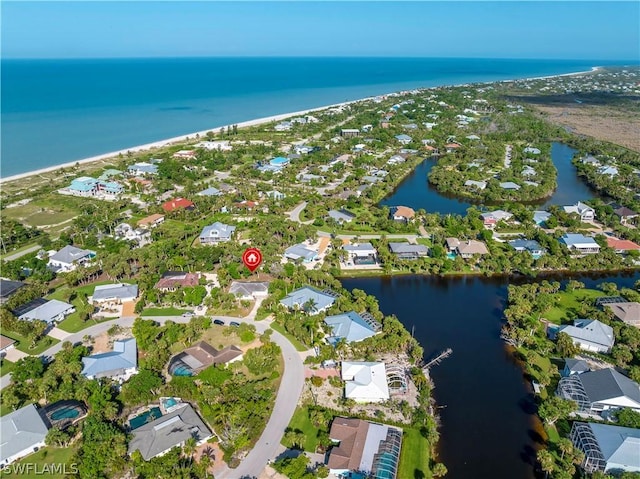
column 190, row 447
column 547, row 463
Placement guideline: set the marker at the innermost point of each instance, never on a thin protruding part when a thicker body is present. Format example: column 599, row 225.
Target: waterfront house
column 84, row 186
column 541, row 217
column 622, row 246
column 509, row 185
column 283, row 126
column 626, row 311
column 574, row 366
column 533, row 151
column 8, row 288
column 364, row 448
column 216, row 233
column 220, row 145
column 590, row 160
column 308, row 299
column 351, row 327
column 173, row 280
column 40, row 309
column 249, row 290
column 300, row 252
column 585, row 212
column 608, row 170
column 480, row 185
column 530, row 246
column 211, row 191
column 114, row 293
column 491, row 218
column 625, row 214
column 142, row 169
column 363, row 253
column 470, row 248
column 151, row 221
column 200, row 356
column 451, row 147
column 342, row 215
column 408, row 250
column 69, row 258
column 590, row 335
column 185, row 154
column 365, row 382
column 601, row 391
column 607, row 448
column 579, row 243
column 402, row 213
column 404, row 139
column 173, row 429
column 23, row 433
column 119, row 364
column 178, row 204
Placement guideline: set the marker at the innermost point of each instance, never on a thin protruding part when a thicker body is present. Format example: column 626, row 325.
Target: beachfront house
column 220, row 145
column 142, row 169
column 119, row 364
column 23, row 433
column 607, row 448
column 584, row 212
column 578, row 243
column 69, row 258
column 590, row 335
column 216, row 233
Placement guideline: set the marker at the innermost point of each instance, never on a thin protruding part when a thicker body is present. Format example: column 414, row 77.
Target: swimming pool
column 65, row 413
column 169, row 402
column 148, row 416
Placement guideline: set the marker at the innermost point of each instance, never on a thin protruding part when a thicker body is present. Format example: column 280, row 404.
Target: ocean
column 57, row 111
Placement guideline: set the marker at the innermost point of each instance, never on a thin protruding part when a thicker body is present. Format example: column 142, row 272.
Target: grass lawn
column 297, row 344
column 571, row 300
column 163, row 312
column 23, row 343
column 301, row 421
column 414, row 457
column 552, row 433
column 73, row 323
column 6, row 367
column 42, row 213
column 215, row 336
column 44, row 463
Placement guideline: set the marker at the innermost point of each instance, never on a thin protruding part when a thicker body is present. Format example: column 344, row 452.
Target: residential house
column 533, row 151
column 404, row 139
column 211, row 191
column 69, row 258
column 541, row 217
column 608, row 170
column 451, row 147
column 510, row 185
column 279, row 162
column 23, row 433
column 481, row 185
column 601, row 391
column 364, row 448
column 173, row 280
column 216, row 233
column 84, row 186
column 590, row 335
column 351, row 327
column 308, row 299
column 585, row 212
column 127, row 232
column 177, row 204
column 625, row 214
column 151, row 221
column 607, row 448
column 590, row 160
column 8, row 288
column 626, row 311
column 173, row 429
column 6, row 344
column 365, row 382
column 363, row 253
column 200, row 356
column 47, row 310
column 276, row 195
column 402, row 213
column 143, row 169
column 469, row 248
column 579, row 243
column 283, row 126
column 574, row 366
column 185, row 154
column 220, row 145
column 342, row 216
column 492, row 218
column 114, row 293
column 622, row 246
column 119, row 364
column 349, row 132
column 300, row 252
column 530, row 246
column 249, row 290
column 408, row 250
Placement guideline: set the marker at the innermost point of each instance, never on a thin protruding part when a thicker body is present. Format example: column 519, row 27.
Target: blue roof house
column 111, row 187
column 84, row 186
column 541, row 217
column 579, row 243
column 348, row 326
column 119, row 364
column 279, row 162
column 524, row 245
column 308, row 299
column 404, row 139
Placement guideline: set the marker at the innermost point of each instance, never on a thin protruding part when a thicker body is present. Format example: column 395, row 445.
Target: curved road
column 289, row 392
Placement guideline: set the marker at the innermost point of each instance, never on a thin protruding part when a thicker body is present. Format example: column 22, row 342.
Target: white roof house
column 23, row 432
column 590, row 335
column 115, row 292
column 68, row 259
column 365, row 381
column 585, row 212
column 362, row 250
column 48, row 311
column 300, row 251
column 312, row 300
column 216, row 233
column 119, row 364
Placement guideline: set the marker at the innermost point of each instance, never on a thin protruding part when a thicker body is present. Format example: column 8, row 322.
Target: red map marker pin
column 252, row 257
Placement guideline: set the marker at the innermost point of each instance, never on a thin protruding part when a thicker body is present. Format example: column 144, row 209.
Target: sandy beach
column 254, row 122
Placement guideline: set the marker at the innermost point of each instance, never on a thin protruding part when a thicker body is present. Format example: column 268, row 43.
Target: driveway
column 294, row 214
column 19, row 254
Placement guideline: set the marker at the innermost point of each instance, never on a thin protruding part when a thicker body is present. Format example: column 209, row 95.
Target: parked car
column 219, row 322
column 234, row 323
column 188, row 314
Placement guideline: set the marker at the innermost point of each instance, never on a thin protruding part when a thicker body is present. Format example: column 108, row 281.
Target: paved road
column 294, row 214
column 20, row 254
column 412, row 238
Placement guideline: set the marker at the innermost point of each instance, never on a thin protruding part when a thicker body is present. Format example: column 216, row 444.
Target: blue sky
column 562, row 30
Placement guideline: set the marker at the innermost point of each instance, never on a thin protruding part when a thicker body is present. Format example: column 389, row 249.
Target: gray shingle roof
column 245, row 288
column 7, row 287
column 590, row 330
column 299, row 251
column 118, row 291
column 70, row 254
column 168, row 431
column 217, row 230
column 21, row 429
column 607, row 384
column 407, row 248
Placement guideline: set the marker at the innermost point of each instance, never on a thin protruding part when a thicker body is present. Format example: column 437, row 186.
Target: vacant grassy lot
column 571, row 301
column 414, row 457
column 42, row 213
column 47, row 462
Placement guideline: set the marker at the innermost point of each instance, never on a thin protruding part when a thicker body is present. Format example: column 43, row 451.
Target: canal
column 488, row 422
column 416, row 191
column 486, row 407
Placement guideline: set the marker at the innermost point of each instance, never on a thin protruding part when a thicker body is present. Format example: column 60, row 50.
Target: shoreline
column 245, row 124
